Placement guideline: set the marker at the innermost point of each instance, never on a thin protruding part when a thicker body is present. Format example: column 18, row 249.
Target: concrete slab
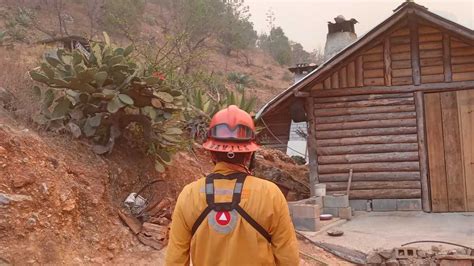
column 383, row 205
column 370, row 230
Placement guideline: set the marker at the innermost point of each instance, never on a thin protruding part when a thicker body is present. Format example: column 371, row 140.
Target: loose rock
column 374, row 258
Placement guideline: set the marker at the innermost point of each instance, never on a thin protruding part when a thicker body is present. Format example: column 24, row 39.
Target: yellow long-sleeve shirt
column 243, row 245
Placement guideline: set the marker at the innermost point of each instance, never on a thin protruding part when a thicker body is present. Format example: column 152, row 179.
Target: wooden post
column 387, row 62
column 422, row 151
column 448, row 76
column 311, row 142
column 415, row 53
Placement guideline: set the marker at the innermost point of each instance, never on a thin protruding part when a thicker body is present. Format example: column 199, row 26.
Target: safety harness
column 228, row 206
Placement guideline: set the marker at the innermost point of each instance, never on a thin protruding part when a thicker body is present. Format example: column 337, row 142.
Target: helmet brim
column 225, row 146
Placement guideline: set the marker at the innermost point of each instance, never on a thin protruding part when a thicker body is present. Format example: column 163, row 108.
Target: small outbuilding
column 397, row 107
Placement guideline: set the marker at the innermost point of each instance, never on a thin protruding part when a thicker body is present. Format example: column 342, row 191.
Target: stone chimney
column 340, row 34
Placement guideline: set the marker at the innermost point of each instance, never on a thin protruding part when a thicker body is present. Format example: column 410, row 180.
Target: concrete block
column 409, row 204
column 315, row 201
column 305, row 211
column 345, row 213
column 306, row 224
column 380, row 205
column 335, row 201
column 405, row 253
column 358, row 205
column 333, row 211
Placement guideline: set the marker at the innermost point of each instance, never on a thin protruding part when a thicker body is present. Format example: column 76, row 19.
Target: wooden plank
column 430, row 37
column 436, row 61
column 461, row 59
column 351, row 75
column 376, row 50
column 371, row 176
column 373, row 65
column 462, row 51
column 374, row 81
column 463, row 68
column 432, row 78
column 396, row 73
column 401, row 64
column 463, row 76
column 400, row 40
column 401, row 32
column 373, row 57
column 400, row 48
column 369, row 158
column 335, row 80
column 431, row 46
column 364, row 117
column 434, row 140
column 422, row 151
column 466, row 118
column 383, row 194
column 455, row 43
column 387, row 139
column 430, row 70
column 359, row 149
column 387, row 63
column 452, row 152
column 343, row 77
column 312, row 155
column 448, row 76
column 376, row 102
column 431, row 53
column 402, row 81
column 361, row 97
column 366, row 110
column 358, row 185
column 369, row 167
column 415, row 53
column 366, row 132
column 359, row 72
column 401, row 56
column 368, row 124
column 426, row 29
column 375, row 73
column 327, row 83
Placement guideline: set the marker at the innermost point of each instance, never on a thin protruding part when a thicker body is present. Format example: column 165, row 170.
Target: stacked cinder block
column 382, row 205
column 305, row 217
column 338, row 206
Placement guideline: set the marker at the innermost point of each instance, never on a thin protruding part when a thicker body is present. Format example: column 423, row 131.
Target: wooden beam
column 414, row 49
column 365, row 132
column 422, row 151
column 359, row 70
column 368, row 124
column 368, row 148
column 371, row 176
column 360, row 185
column 364, row 117
column 369, row 158
column 386, row 139
column 448, row 76
column 382, row 193
column 369, row 167
column 311, row 144
column 387, row 62
column 431, row 87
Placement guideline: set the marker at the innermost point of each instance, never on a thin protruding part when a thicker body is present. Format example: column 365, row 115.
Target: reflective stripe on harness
column 228, row 206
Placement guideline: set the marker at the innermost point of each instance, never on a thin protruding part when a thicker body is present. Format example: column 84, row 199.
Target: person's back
column 231, row 217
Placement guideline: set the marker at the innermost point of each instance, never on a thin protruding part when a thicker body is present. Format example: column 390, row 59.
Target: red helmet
column 231, row 130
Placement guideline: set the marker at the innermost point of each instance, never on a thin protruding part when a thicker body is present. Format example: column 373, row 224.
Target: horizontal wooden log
column 436, row 61
column 361, row 97
column 399, row 40
column 401, row 56
column 458, row 44
column 430, row 37
column 455, row 60
column 388, row 139
column 365, row 132
column 373, row 65
column 363, row 117
column 432, row 78
column 375, row 73
column 361, row 185
column 401, row 64
column 371, row 176
column 402, row 81
column 431, row 45
column 430, row 70
column 367, row 124
column 366, row 110
column 376, row 50
column 462, row 51
column 430, row 53
column 401, row 32
column 373, row 57
column 374, row 81
column 463, row 68
column 371, row 148
column 463, row 76
column 382, row 194
column 396, row 73
column 369, row 167
column 427, row 29
column 381, row 102
column 399, row 48
column 369, row 158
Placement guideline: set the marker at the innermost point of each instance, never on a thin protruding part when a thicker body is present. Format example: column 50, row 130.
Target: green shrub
column 99, row 96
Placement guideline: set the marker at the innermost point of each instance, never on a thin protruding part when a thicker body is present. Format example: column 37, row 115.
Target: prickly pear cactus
column 100, row 94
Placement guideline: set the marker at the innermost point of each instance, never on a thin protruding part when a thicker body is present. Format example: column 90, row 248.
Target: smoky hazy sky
column 305, row 21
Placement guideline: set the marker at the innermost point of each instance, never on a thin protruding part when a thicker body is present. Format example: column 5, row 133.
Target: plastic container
column 319, row 190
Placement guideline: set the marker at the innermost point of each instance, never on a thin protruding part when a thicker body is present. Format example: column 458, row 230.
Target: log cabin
column 397, row 107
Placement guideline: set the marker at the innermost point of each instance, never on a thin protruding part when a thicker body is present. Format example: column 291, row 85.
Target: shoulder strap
column 254, row 223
